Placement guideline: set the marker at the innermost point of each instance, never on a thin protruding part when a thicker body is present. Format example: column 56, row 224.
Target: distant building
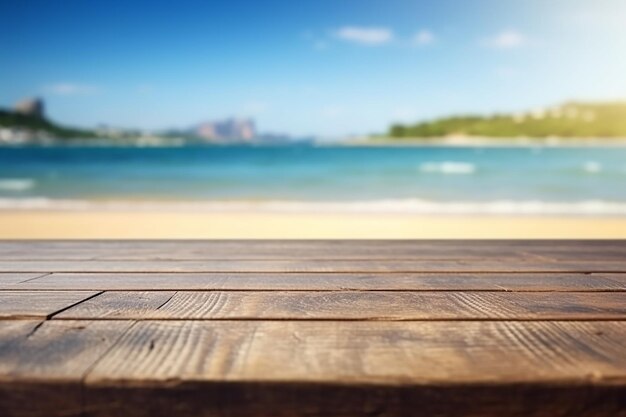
column 31, row 107
column 229, row 130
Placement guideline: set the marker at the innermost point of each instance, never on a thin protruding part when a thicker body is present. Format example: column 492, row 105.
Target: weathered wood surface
column 285, row 249
column 350, row 305
column 327, row 282
column 368, row 352
column 7, row 280
column 42, row 364
column 316, row 265
column 38, row 304
column 311, row 328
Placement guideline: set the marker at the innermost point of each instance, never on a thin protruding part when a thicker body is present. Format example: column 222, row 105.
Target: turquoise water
column 412, row 179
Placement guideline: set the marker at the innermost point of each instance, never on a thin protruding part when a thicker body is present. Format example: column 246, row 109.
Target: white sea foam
column 392, row 206
column 16, row 184
column 448, row 167
column 592, row 167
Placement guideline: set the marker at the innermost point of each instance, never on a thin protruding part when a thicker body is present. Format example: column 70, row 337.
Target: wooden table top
column 308, row 328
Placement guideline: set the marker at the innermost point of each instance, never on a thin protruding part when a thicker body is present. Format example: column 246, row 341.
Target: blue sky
column 322, row 67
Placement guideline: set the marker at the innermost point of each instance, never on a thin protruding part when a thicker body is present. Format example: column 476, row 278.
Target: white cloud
column 370, row 36
column 507, row 39
column 72, row 89
column 424, row 37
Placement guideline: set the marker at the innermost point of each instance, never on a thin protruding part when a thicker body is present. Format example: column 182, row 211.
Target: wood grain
column 19, row 398
column 368, row 352
column 42, row 364
column 322, row 266
column 618, row 278
column 38, row 304
column 313, row 328
column 119, row 305
column 52, row 350
column 545, row 251
column 353, row 305
column 7, row 280
column 13, row 330
column 329, row 282
column 255, row 252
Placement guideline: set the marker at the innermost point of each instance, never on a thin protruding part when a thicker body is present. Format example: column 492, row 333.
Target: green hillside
column 569, row 120
column 12, row 119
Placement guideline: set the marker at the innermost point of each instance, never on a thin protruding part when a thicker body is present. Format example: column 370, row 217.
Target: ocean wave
column 16, row 184
column 448, row 167
column 391, row 206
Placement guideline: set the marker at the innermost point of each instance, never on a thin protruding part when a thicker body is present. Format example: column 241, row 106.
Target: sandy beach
column 306, row 225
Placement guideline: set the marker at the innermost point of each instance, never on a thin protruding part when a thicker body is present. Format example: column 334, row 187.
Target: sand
column 234, row 225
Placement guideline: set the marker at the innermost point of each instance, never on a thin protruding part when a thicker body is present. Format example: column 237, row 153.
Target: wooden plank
column 112, row 305
column 323, row 266
column 328, row 282
column 38, row 304
column 620, row 279
column 363, row 368
column 353, row 305
column 13, row 330
column 612, row 254
column 207, row 250
column 20, row 398
column 42, row 364
column 372, row 352
column 256, row 253
column 262, row 252
column 311, row 256
column 54, row 351
column 15, row 278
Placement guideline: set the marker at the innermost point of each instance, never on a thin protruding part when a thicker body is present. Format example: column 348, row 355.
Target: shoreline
column 142, row 224
column 408, row 206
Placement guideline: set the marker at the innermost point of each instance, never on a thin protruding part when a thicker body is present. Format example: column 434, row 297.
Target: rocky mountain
column 225, row 131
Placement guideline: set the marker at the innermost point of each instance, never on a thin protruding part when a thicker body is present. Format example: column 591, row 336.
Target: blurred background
column 313, row 119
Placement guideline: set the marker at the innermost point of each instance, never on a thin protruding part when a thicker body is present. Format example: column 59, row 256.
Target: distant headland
column 569, row 121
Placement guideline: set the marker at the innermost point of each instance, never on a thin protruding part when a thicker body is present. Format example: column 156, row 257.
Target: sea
column 411, row 179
